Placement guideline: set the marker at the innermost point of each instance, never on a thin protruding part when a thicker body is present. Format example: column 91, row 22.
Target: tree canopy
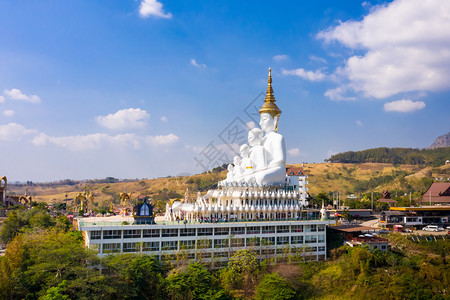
column 410, row 156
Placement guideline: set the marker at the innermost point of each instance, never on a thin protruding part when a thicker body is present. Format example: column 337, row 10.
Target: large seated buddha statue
column 273, row 142
column 265, row 163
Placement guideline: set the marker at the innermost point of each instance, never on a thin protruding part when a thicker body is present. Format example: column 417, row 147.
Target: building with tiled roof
column 438, row 193
column 386, row 198
column 296, row 178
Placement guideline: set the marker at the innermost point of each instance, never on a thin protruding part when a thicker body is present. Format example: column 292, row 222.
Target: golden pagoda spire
column 269, row 105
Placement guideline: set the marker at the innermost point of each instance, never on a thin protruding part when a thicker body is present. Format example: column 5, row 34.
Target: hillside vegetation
column 46, row 259
column 323, row 178
column 433, row 157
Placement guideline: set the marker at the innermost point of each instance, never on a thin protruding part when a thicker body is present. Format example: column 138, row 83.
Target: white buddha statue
column 246, row 164
column 273, row 142
column 229, row 175
column 237, row 170
column 265, row 163
column 257, row 152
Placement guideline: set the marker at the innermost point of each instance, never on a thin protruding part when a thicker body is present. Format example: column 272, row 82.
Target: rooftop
column 295, row 171
column 118, row 220
column 423, row 208
column 353, row 228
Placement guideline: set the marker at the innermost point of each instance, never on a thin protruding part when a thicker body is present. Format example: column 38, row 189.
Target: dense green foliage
column 50, row 262
column 37, row 217
column 194, row 282
column 410, row 156
column 273, row 286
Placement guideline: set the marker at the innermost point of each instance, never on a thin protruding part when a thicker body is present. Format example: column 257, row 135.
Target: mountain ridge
column 441, row 142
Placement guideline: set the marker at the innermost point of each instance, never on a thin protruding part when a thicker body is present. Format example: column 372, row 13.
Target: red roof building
column 386, row 198
column 438, row 193
column 295, row 171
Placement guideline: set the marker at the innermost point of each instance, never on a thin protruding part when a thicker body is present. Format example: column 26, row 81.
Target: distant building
column 437, row 194
column 352, row 197
column 355, row 235
column 386, row 198
column 416, row 217
column 296, row 180
column 360, row 213
column 391, row 218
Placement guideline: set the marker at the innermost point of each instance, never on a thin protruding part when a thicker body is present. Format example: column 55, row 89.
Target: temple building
column 260, row 205
column 437, row 194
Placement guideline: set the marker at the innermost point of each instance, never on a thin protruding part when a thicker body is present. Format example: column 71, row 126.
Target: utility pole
column 372, row 199
column 410, row 203
column 339, row 199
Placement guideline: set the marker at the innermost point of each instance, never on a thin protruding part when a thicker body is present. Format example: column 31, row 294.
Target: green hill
column 410, row 156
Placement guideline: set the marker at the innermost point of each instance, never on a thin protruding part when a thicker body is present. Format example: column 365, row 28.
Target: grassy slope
column 323, row 177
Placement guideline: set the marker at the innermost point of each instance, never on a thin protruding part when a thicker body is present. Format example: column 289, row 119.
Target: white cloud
column 280, row 57
column 359, row 123
column 153, row 8
column 16, row 94
column 336, row 94
column 250, row 125
column 160, row 140
column 98, row 140
column 404, row 106
column 124, row 119
column 2, row 99
column 14, row 132
column 164, row 119
column 197, row 65
column 8, row 113
column 89, row 141
column 294, row 152
column 308, row 75
column 318, row 59
column 406, row 44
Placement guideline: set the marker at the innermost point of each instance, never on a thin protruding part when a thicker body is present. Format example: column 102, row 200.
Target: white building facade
column 211, row 242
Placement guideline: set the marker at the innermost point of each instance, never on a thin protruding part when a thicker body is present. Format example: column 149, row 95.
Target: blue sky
column 143, row 89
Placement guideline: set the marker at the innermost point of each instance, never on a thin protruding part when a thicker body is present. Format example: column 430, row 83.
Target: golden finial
column 269, row 105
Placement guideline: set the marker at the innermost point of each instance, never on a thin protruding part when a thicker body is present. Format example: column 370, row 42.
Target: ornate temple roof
column 269, row 105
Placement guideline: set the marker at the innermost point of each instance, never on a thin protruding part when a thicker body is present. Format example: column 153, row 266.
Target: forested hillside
column 410, row 156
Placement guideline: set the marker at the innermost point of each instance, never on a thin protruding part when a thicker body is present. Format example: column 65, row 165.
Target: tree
column 323, row 198
column 12, row 226
column 37, row 217
column 275, row 287
column 194, row 282
column 55, row 292
column 242, row 273
column 41, row 259
column 60, row 206
column 140, row 275
column 346, row 215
